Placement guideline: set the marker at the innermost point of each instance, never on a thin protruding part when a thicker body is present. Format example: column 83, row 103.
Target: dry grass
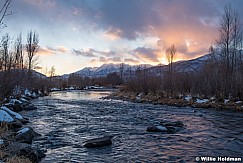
column 2, row 154
column 3, row 128
column 16, row 159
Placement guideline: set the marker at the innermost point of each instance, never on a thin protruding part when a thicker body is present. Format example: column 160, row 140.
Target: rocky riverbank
column 15, row 135
column 179, row 101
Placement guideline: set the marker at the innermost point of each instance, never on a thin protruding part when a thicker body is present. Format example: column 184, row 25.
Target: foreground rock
column 16, row 142
column 98, row 142
column 26, row 135
column 166, row 127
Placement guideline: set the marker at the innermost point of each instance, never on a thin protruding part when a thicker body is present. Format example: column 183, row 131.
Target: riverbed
column 67, row 118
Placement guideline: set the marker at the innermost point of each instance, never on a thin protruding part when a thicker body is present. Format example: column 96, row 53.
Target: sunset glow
column 76, row 34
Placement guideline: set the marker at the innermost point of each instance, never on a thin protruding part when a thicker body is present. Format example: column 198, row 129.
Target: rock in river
column 98, row 142
column 166, row 127
column 174, row 124
column 157, row 129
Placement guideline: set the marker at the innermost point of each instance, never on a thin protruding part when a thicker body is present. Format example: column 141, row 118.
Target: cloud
column 146, row 54
column 174, row 22
column 93, row 53
column 113, row 33
column 126, row 24
column 51, row 50
column 42, row 3
column 107, row 60
column 131, row 61
column 84, row 53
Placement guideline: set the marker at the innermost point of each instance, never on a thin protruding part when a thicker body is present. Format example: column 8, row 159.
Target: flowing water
column 67, row 119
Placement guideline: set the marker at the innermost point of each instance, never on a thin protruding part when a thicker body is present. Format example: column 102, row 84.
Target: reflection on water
column 79, row 95
column 66, row 119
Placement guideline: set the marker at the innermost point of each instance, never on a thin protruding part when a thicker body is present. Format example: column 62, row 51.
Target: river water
column 66, row 119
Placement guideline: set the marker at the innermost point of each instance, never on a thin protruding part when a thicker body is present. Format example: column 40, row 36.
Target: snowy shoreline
column 181, row 101
column 16, row 136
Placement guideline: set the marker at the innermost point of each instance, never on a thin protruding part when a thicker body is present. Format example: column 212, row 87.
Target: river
column 66, row 119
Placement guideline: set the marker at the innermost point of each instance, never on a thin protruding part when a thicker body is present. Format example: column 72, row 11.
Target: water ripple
column 66, row 119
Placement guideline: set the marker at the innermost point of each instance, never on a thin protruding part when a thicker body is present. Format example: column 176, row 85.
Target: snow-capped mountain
column 106, row 69
column 186, row 66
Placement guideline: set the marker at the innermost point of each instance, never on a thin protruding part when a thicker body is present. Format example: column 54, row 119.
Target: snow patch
column 188, row 98
column 5, row 117
column 55, row 89
column 15, row 101
column 23, row 130
column 27, row 92
column 226, row 101
column 202, row 101
column 1, row 141
column 16, row 115
column 23, row 100
column 238, row 102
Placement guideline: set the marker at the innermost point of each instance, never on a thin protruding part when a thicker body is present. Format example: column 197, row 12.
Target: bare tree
column 5, row 52
column 170, row 55
column 32, row 48
column 230, row 37
column 18, row 54
column 52, row 71
column 121, row 68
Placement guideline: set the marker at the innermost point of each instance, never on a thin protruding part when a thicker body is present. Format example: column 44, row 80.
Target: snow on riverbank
column 22, row 137
column 5, row 117
column 16, row 115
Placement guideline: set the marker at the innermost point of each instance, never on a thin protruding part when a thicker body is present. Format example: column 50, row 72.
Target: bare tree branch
column 4, row 10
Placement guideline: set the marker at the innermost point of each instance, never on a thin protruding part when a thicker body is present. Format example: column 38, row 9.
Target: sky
column 74, row 34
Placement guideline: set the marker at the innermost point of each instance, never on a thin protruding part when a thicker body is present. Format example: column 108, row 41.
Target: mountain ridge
column 192, row 65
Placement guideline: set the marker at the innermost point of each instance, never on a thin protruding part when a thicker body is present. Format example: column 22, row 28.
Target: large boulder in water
column 98, row 142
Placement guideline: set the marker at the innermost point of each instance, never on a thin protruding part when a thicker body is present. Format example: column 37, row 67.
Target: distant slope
column 186, row 66
column 106, row 69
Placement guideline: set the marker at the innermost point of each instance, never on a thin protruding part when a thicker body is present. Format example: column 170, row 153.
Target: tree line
column 17, row 60
column 18, row 55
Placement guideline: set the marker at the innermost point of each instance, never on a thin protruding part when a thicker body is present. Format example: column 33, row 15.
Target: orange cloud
column 113, row 33
column 50, row 50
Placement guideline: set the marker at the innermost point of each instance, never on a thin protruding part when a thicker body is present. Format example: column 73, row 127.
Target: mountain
column 106, row 69
column 185, row 66
column 193, row 65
